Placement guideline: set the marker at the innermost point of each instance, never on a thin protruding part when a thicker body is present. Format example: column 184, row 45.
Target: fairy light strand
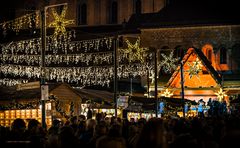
column 97, row 75
column 29, row 21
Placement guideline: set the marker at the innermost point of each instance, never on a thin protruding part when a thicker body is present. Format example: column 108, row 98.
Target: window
column 223, row 56
column 178, row 52
column 114, row 13
column 138, row 7
column 209, row 55
column 82, row 14
column 79, row 14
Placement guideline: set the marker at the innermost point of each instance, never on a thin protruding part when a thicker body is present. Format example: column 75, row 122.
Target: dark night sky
column 7, row 6
column 7, row 9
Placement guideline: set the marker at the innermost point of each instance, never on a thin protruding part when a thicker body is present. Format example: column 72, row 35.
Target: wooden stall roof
column 95, row 95
column 61, row 90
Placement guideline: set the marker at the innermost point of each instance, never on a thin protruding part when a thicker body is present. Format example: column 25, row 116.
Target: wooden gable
column 65, row 92
column 207, row 78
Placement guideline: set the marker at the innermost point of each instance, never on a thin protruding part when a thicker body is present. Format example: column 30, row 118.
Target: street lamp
column 42, row 66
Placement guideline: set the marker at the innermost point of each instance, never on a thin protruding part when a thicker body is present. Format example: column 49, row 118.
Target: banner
column 44, row 92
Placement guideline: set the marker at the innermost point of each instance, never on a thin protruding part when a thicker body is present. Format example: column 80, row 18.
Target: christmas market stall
column 98, row 101
column 24, row 101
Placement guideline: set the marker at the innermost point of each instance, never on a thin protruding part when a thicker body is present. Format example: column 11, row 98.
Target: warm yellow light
column 194, row 69
column 220, row 95
column 60, row 22
column 134, row 52
column 167, row 93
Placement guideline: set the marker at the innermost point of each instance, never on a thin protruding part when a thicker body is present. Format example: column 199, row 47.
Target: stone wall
column 217, row 36
column 214, row 37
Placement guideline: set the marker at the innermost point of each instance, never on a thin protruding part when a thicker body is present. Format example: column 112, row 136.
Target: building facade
column 97, row 12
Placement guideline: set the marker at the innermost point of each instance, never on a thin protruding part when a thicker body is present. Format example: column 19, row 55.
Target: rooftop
column 188, row 13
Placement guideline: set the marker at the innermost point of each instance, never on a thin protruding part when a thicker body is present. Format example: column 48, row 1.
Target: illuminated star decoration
column 167, row 93
column 220, row 95
column 134, row 52
column 169, row 63
column 60, row 22
column 195, row 68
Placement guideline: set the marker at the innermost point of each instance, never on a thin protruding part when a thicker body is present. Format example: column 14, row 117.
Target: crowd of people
column 105, row 132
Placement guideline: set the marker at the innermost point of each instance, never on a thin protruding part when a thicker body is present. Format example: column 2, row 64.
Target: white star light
column 195, row 68
column 169, row 63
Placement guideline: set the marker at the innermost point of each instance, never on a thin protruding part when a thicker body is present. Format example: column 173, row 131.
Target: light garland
column 220, row 95
column 195, row 68
column 133, row 70
column 12, row 82
column 33, row 46
column 97, row 52
column 29, row 20
column 68, row 59
column 17, row 105
column 169, row 63
column 60, row 45
column 134, row 52
column 91, row 75
column 60, row 22
column 167, row 93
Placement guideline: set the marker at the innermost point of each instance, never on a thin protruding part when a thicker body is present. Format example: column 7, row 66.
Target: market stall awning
column 97, row 96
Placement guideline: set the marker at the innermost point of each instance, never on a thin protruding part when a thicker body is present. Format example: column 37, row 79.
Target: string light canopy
column 83, row 76
column 88, row 62
column 220, row 95
column 60, row 22
column 195, row 68
column 169, row 63
column 134, row 52
column 167, row 93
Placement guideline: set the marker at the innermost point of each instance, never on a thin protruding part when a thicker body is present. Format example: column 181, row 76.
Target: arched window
column 84, row 14
column 208, row 52
column 209, row 55
column 138, row 7
column 178, row 52
column 79, row 14
column 223, row 56
column 114, row 12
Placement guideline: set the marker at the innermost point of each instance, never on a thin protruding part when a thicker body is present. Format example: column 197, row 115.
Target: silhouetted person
column 152, row 135
column 18, row 130
column 35, row 134
column 67, row 138
column 89, row 114
column 114, row 138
